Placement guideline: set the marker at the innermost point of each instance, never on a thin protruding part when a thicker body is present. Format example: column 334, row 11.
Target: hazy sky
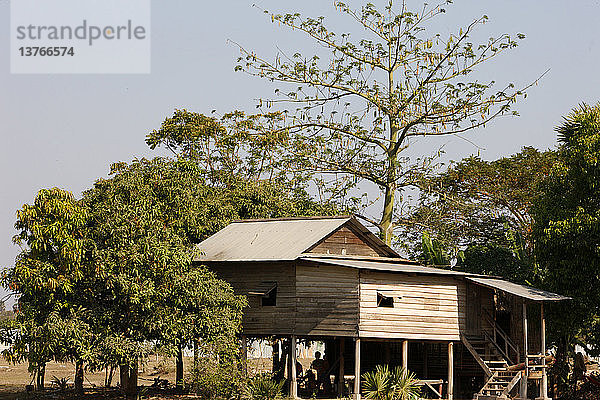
column 65, row 130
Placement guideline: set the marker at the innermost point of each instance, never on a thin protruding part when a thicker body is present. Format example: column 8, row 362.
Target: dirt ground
column 14, row 378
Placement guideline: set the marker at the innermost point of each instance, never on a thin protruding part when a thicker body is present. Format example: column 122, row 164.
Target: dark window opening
column 270, row 299
column 384, row 301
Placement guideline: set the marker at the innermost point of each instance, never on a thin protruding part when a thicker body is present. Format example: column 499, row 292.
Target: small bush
column 264, row 387
column 386, row 384
column 212, row 378
column 61, row 383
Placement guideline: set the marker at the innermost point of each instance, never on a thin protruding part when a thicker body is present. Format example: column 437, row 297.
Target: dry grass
column 14, row 378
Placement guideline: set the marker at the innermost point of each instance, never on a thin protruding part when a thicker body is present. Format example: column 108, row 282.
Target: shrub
column 386, row 384
column 264, row 387
column 213, row 378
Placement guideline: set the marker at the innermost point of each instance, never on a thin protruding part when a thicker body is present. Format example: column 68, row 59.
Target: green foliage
column 48, row 276
column 484, row 209
column 353, row 106
column 395, row 384
column 144, row 222
column 61, row 383
column 217, row 375
column 477, row 202
column 492, row 259
column 567, row 229
column 264, row 387
column 234, row 146
column 433, row 252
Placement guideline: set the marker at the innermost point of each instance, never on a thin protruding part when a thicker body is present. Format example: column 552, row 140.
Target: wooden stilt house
column 331, row 279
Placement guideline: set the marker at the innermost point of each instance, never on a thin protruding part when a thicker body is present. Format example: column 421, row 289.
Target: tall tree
column 484, row 208
column 47, row 278
column 567, row 230
column 359, row 102
column 144, row 222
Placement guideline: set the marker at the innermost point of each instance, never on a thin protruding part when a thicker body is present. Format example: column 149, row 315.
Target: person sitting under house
column 321, row 366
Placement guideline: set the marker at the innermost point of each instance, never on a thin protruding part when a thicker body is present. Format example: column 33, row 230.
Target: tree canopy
column 567, row 226
column 350, row 110
column 481, row 210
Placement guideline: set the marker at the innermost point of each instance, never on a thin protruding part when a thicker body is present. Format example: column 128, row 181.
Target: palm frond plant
column 264, row 387
column 395, row 384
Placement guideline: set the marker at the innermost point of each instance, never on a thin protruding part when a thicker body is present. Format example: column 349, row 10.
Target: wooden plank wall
column 425, row 307
column 259, row 320
column 345, row 241
column 326, row 300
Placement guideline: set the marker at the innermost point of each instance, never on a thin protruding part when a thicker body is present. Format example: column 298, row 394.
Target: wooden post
column 244, row 354
column 292, row 371
column 405, row 354
column 525, row 352
column 341, row 381
column 388, row 352
column 425, row 361
column 450, row 370
column 357, row 369
column 544, row 382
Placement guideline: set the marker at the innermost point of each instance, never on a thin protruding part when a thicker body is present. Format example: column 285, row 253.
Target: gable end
column 346, row 241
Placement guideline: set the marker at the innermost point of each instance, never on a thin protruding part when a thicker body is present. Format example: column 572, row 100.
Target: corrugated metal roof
column 258, row 240
column 388, row 266
column 523, row 291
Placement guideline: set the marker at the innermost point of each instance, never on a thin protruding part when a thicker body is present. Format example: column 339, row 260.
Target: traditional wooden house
column 331, row 279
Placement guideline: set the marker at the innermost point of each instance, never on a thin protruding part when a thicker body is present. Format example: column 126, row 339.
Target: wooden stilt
column 387, row 346
column 450, row 370
column 523, row 391
column 544, row 382
column 357, row 369
column 425, row 361
column 405, row 354
column 245, row 355
column 341, row 382
column 292, row 370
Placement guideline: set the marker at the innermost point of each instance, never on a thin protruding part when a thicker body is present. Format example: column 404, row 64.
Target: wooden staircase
column 500, row 381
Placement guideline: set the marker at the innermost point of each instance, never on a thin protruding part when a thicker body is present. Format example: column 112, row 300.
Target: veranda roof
column 526, row 292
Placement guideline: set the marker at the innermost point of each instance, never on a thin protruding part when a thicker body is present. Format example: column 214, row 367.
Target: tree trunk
column 388, row 215
column 41, row 375
column 79, row 377
column 109, row 375
column 179, row 369
column 133, row 382
column 386, row 225
column 124, row 378
column 129, row 380
column 195, row 354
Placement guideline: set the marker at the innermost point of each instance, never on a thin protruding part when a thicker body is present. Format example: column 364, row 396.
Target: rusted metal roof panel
column 526, row 292
column 258, row 240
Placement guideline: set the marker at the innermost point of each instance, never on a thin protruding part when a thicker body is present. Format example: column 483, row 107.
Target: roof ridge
column 321, row 217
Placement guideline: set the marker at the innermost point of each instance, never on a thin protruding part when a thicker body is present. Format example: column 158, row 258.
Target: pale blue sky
column 65, row 130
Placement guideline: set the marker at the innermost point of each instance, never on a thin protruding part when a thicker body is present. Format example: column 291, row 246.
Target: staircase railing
column 476, row 356
column 508, row 343
column 511, row 385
